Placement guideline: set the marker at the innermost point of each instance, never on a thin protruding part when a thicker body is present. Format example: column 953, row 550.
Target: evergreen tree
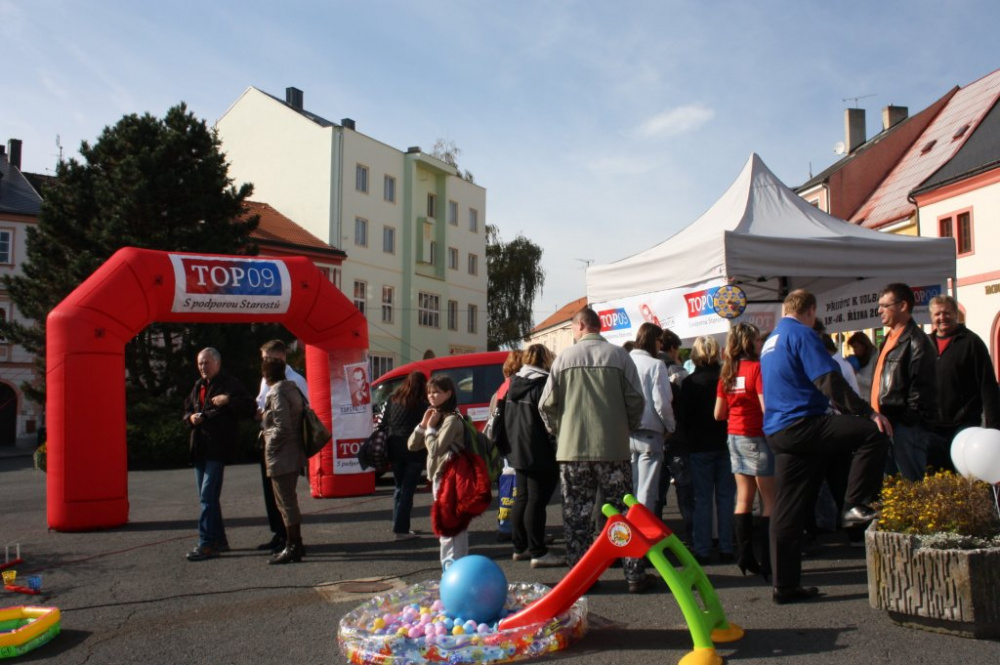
column 515, row 278
column 146, row 182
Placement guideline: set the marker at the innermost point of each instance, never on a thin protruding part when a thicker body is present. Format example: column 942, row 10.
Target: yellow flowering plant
column 947, row 511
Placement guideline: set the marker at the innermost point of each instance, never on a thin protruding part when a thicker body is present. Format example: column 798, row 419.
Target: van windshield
column 476, row 384
column 383, row 391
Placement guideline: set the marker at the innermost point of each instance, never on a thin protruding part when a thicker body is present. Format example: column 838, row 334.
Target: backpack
column 476, row 442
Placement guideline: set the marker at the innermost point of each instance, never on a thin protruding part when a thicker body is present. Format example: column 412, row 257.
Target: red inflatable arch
column 87, row 333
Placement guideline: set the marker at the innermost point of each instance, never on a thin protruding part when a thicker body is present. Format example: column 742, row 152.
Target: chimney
column 14, row 148
column 854, row 128
column 893, row 115
column 348, row 123
column 293, row 97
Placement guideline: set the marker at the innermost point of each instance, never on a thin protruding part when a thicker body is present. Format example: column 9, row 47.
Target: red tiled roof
column 565, row 313
column 275, row 228
column 937, row 145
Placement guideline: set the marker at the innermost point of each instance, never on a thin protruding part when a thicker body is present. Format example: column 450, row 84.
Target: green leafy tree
column 515, row 279
column 146, row 182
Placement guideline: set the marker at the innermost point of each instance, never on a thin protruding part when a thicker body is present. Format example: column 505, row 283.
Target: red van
column 476, row 375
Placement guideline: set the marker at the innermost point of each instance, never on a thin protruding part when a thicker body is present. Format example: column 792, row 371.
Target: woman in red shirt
column 740, row 400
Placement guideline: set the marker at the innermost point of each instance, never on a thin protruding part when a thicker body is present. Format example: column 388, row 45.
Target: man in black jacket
column 904, row 386
column 968, row 395
column 212, row 409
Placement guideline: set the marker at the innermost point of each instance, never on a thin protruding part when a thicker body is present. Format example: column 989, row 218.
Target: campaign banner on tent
column 686, row 311
column 350, row 397
column 855, row 305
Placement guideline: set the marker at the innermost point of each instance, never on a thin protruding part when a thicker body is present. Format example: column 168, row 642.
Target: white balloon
column 958, row 448
column 982, row 455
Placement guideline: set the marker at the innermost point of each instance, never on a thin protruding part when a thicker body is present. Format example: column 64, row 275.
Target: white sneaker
column 550, row 560
column 520, row 556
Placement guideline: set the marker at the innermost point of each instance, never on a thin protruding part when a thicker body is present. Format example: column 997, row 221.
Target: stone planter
column 945, row 591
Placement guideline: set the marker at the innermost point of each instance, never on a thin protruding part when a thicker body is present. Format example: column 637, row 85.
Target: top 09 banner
column 229, row 285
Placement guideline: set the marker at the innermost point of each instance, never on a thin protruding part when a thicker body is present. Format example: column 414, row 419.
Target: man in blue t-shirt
column 801, row 380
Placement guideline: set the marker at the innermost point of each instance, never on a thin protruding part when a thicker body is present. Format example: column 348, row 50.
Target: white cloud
column 680, row 120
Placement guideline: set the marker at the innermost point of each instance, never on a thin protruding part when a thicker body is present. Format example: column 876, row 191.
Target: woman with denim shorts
column 740, row 400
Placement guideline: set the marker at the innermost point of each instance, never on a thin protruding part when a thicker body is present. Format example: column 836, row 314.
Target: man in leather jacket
column 212, row 409
column 904, row 386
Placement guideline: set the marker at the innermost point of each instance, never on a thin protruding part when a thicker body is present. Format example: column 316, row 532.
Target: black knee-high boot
column 744, row 544
column 763, row 532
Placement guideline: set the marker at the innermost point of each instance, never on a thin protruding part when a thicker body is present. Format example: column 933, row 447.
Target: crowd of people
column 747, row 438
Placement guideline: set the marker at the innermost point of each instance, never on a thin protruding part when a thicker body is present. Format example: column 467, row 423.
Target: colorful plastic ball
column 475, row 588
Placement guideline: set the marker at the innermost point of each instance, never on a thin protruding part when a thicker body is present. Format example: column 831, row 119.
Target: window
column 473, row 264
column 473, row 316
column 332, row 274
column 429, row 310
column 473, row 220
column 380, row 365
column 6, row 246
column 4, row 316
column 431, row 206
column 452, row 315
column 361, row 179
column 958, row 227
column 389, row 189
column 389, row 240
column 360, row 232
column 432, row 250
column 387, row 297
column 360, row 295
column 453, row 258
column 453, row 213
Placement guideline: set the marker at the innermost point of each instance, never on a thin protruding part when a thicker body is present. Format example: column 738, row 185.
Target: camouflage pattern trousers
column 583, row 484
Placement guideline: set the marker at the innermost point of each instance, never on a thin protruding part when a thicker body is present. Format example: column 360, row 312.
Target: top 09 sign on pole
column 223, row 285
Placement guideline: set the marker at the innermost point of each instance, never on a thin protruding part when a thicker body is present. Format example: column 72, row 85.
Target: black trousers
column 801, row 453
column 532, row 492
column 274, row 520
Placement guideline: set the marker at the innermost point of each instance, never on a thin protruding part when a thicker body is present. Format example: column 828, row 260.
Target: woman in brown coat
column 284, row 455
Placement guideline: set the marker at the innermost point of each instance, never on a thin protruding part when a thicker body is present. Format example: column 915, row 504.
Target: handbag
column 495, row 429
column 374, row 452
column 315, row 435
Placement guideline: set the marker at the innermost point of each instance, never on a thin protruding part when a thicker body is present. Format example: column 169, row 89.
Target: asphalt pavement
column 128, row 595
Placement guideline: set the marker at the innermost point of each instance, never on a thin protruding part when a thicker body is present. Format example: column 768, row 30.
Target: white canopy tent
column 764, row 238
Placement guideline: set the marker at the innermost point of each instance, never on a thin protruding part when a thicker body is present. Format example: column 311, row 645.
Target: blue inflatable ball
column 474, row 588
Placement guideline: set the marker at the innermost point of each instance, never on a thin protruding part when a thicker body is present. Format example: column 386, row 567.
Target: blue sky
column 598, row 128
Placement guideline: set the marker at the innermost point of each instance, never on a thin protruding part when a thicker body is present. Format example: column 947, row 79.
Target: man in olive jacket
column 591, row 402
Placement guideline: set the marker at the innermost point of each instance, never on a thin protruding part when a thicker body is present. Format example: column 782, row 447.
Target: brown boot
column 293, row 550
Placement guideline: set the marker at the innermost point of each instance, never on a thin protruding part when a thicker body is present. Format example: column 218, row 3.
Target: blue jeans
column 406, row 474
column 647, row 460
column 712, row 477
column 208, row 474
column 909, row 450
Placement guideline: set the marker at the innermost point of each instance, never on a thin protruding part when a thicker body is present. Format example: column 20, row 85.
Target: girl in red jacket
column 442, row 433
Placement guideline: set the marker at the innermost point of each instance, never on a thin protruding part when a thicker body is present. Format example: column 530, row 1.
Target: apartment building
column 19, row 207
column 412, row 228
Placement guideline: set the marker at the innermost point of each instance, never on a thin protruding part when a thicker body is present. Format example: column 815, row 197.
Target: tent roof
column 760, row 230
